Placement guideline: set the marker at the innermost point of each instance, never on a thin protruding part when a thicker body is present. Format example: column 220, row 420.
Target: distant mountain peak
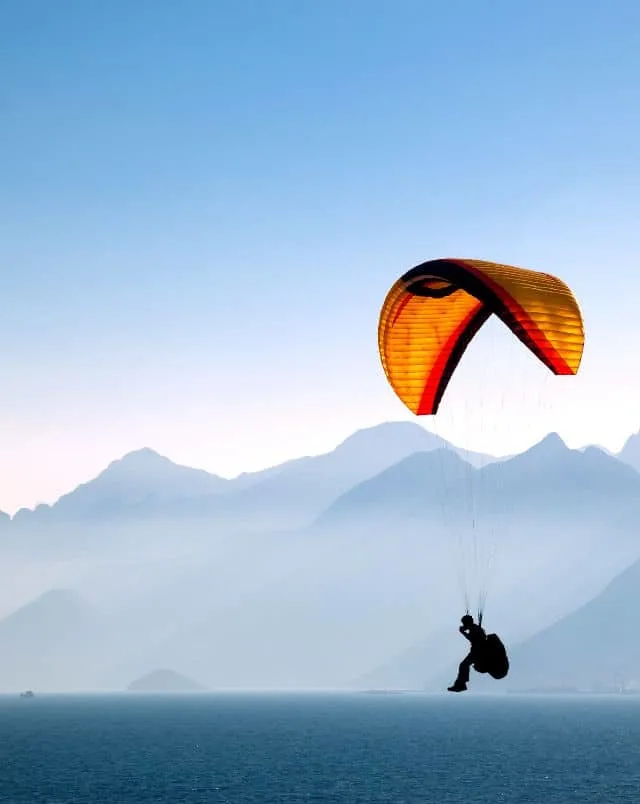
column 414, row 480
column 405, row 437
column 630, row 452
column 144, row 453
column 592, row 449
column 140, row 480
column 57, row 605
column 398, row 431
column 164, row 680
column 552, row 441
column 549, row 451
column 384, row 428
column 146, row 471
column 142, row 459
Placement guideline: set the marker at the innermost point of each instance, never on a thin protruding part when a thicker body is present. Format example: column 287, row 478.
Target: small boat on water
column 27, row 694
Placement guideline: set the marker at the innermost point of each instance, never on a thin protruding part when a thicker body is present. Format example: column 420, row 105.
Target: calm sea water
column 319, row 748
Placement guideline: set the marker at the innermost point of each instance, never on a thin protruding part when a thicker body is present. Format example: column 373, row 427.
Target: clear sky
column 204, row 203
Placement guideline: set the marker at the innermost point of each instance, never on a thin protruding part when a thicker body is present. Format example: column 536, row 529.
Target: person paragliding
column 487, row 654
column 475, row 633
column 428, row 319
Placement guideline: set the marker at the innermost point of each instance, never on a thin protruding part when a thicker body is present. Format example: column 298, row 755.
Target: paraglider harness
column 490, row 656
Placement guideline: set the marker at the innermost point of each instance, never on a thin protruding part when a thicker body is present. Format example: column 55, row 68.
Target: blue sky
column 203, row 205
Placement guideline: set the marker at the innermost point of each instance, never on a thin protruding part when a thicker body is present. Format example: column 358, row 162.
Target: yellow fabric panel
column 415, row 336
column 547, row 302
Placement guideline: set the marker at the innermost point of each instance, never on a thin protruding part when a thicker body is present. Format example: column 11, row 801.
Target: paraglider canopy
column 432, row 313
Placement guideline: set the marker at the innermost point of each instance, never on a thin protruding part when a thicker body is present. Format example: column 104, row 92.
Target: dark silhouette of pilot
column 477, row 637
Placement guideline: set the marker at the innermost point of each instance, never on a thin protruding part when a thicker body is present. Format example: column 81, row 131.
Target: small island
column 165, row 681
column 27, row 694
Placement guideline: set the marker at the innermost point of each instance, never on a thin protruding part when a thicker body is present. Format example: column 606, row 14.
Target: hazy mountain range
column 342, row 570
column 144, row 484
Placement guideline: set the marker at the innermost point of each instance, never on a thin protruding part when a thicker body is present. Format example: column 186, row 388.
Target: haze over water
column 343, row 748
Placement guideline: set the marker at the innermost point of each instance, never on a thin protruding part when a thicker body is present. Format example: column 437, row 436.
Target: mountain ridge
column 143, row 481
column 326, row 598
column 591, row 647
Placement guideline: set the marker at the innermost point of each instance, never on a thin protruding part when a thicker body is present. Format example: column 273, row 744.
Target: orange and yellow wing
column 433, row 311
